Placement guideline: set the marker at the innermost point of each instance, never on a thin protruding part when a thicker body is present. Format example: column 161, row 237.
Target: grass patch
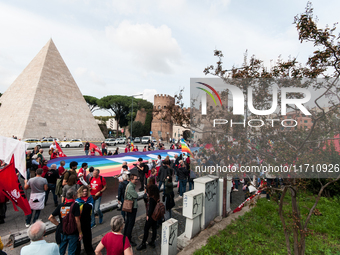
column 260, row 230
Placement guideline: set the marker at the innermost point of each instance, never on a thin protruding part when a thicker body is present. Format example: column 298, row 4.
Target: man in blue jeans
column 70, row 240
column 98, row 186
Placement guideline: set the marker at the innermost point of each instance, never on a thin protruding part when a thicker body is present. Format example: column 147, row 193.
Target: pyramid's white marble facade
column 46, row 101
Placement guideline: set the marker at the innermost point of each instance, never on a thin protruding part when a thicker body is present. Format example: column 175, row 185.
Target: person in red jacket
column 44, row 168
column 55, row 154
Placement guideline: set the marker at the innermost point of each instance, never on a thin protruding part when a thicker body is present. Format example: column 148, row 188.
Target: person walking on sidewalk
column 98, row 186
column 114, row 242
column 153, row 193
column 37, row 198
column 131, row 194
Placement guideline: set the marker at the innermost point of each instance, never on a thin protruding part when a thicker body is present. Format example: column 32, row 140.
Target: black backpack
column 146, row 168
column 49, row 173
column 69, row 222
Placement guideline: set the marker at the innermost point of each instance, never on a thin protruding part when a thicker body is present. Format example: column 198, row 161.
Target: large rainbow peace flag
column 111, row 165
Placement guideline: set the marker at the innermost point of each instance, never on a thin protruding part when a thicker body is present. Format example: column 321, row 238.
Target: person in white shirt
column 38, row 245
column 124, row 170
column 159, row 161
column 53, row 146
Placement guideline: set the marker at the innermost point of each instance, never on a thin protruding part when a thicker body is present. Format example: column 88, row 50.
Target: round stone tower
column 161, row 125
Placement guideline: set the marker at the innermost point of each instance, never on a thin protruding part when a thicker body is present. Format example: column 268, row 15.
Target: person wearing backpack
column 153, row 193
column 52, row 176
column 69, row 216
column 98, row 186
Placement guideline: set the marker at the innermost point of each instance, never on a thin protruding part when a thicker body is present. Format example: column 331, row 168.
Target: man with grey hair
column 52, row 176
column 38, row 245
column 70, row 240
column 38, row 187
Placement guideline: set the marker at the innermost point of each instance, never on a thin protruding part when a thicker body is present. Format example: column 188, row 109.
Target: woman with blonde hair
column 85, row 201
column 115, row 242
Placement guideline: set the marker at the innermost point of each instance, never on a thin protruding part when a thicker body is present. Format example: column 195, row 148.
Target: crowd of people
column 130, row 147
column 80, row 191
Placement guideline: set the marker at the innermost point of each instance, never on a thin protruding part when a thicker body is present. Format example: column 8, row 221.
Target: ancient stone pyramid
column 46, row 101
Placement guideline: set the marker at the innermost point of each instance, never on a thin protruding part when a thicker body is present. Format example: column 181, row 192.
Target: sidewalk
column 16, row 223
column 138, row 230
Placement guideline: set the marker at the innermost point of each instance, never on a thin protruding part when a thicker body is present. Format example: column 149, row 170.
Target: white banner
column 9, row 147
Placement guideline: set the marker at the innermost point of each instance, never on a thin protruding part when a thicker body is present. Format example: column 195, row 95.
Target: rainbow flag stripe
column 111, row 165
column 185, row 148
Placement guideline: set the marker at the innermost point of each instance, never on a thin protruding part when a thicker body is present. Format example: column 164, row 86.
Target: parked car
column 110, row 142
column 32, row 142
column 46, row 142
column 137, row 140
column 146, row 139
column 72, row 143
column 120, row 140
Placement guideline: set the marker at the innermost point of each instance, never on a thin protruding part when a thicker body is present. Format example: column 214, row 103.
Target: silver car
column 32, row 142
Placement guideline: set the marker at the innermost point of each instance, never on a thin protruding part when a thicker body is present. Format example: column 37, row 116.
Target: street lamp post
column 132, row 114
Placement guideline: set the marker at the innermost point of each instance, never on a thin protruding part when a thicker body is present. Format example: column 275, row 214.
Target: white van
column 146, row 139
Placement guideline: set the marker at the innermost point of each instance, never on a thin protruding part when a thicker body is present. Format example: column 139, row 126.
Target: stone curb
column 202, row 238
column 21, row 237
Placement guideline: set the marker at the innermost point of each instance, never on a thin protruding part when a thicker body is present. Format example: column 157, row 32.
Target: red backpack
column 69, row 222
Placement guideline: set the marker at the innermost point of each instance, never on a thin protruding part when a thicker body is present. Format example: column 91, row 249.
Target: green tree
column 118, row 106
column 92, row 103
column 137, row 129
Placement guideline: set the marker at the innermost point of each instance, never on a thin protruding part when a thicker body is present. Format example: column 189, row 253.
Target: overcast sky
column 149, row 46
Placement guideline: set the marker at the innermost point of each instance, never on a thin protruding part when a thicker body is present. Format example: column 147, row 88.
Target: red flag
column 249, row 198
column 60, row 151
column 96, row 148
column 11, row 187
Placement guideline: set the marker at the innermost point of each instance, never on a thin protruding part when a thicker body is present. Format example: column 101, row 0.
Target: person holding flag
column 58, row 150
column 132, row 146
column 185, row 147
column 12, row 189
column 94, row 148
